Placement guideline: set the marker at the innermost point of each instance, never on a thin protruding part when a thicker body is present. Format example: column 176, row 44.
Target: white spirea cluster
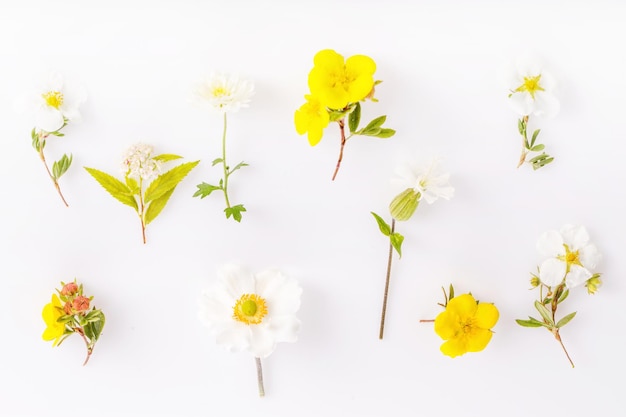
column 139, row 163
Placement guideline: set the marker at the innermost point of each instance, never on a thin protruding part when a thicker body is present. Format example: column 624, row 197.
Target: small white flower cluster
column 139, row 163
column 224, row 93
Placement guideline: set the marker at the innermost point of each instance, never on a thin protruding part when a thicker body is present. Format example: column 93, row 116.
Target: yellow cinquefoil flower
column 312, row 118
column 337, row 82
column 51, row 313
column 465, row 325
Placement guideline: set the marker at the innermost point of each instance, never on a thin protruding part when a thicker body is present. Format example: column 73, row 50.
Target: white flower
column 428, row 182
column 53, row 102
column 224, row 93
column 139, row 163
column 530, row 88
column 570, row 256
column 247, row 312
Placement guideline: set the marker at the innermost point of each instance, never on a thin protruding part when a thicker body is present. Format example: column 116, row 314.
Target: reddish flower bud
column 80, row 303
column 68, row 308
column 69, row 289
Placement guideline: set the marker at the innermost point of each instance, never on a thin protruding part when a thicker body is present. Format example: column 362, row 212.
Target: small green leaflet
column 544, row 313
column 235, row 211
column 565, row 320
column 385, row 229
column 354, row 118
column 396, row 242
column 205, row 189
column 375, row 129
column 115, row 187
column 238, row 166
column 530, row 323
column 61, row 166
column 156, row 206
column 166, row 157
column 133, row 185
column 168, row 180
column 216, row 161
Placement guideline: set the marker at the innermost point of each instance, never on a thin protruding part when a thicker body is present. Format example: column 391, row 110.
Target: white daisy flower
column 224, row 93
column 139, row 163
column 531, row 88
column 53, row 102
column 251, row 313
column 570, row 256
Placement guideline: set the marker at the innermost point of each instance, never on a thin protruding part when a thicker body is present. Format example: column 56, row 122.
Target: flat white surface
column 438, row 60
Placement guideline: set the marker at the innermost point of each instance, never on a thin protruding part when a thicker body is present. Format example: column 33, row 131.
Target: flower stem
column 141, row 213
column 342, row 129
column 427, row 321
column 558, row 337
column 259, row 377
column 384, row 312
column 54, row 180
column 522, row 157
column 225, row 185
column 81, row 332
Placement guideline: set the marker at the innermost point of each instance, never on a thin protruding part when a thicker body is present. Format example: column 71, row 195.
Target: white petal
column 236, row 280
column 235, row 337
column 577, row 275
column 576, row 237
column 262, row 342
column 546, row 105
column 550, row 244
column 508, row 77
column 213, row 310
column 552, row 272
column 285, row 328
column 589, row 256
column 48, row 119
column 281, row 293
column 528, row 65
column 548, row 82
column 521, row 103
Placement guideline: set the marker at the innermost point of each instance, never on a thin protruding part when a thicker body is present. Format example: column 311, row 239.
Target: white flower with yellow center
column 570, row 256
column 53, row 103
column 531, row 88
column 252, row 313
column 224, row 93
column 138, row 163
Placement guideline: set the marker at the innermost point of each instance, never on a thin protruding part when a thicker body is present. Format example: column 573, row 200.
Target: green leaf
column 565, row 320
column 396, row 242
column 451, row 292
column 385, row 229
column 61, row 166
column 166, row 157
column 133, row 185
column 239, row 165
column 205, row 189
column 537, row 148
column 385, row 133
column 235, row 211
column 374, row 124
column 57, row 133
column 217, row 161
column 520, row 126
column 563, row 296
column 354, row 118
column 544, row 313
column 155, row 207
column 541, row 160
column 534, row 138
column 168, row 180
column 93, row 329
column 115, row 187
column 335, row 115
column 528, row 323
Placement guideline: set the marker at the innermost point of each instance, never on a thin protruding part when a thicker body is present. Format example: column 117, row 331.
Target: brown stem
column 558, row 337
column 259, row 377
column 522, row 157
column 81, row 332
column 427, row 321
column 343, row 143
column 54, row 180
column 384, row 312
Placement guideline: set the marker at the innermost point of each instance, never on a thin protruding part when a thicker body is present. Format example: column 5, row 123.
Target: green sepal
column 168, row 180
column 205, row 189
column 354, row 118
column 61, row 166
column 396, row 241
column 544, row 313
column 156, row 206
column 565, row 320
column 385, row 229
column 235, row 211
column 166, row 157
column 115, row 187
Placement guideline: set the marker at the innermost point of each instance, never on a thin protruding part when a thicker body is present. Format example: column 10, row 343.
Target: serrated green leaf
column 544, row 313
column 385, row 133
column 354, row 118
column 133, row 185
column 216, row 161
column 396, row 242
column 565, row 320
column 166, row 157
column 205, row 189
column 528, row 323
column 168, row 180
column 238, row 166
column 155, row 206
column 537, row 148
column 385, row 229
column 113, row 186
column 235, row 212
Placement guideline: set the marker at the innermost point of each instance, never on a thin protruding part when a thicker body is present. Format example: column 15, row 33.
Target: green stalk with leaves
column 528, row 146
column 58, row 167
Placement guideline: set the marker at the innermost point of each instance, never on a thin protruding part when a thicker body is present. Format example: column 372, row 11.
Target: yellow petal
column 454, row 347
column 478, row 340
column 486, row 316
column 463, row 305
column 360, row 65
column 447, row 325
column 328, row 59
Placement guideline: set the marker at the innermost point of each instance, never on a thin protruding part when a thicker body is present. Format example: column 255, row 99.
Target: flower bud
column 67, row 308
column 593, row 284
column 80, row 303
column 534, row 282
column 69, row 289
column 403, row 206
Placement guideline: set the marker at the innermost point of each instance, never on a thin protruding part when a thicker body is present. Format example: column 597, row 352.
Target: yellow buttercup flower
column 337, row 82
column 51, row 313
column 465, row 325
column 311, row 118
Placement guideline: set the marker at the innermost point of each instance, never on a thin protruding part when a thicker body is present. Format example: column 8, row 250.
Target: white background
column 438, row 60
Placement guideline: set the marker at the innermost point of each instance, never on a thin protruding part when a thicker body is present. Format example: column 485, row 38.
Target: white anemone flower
column 251, row 312
column 53, row 102
column 570, row 256
column 428, row 181
column 138, row 163
column 224, row 93
column 531, row 88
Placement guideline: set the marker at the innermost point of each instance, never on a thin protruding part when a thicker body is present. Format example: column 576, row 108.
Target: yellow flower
column 338, row 83
column 311, row 118
column 465, row 325
column 51, row 313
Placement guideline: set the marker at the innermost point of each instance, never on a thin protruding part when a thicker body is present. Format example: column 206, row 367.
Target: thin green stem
column 259, row 377
column 384, row 311
column 141, row 212
column 522, row 157
column 52, row 178
column 224, row 165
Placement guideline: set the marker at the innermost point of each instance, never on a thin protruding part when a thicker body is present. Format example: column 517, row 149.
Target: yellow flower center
column 220, row 92
column 53, row 99
column 468, row 325
column 570, row 258
column 530, row 85
column 250, row 309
